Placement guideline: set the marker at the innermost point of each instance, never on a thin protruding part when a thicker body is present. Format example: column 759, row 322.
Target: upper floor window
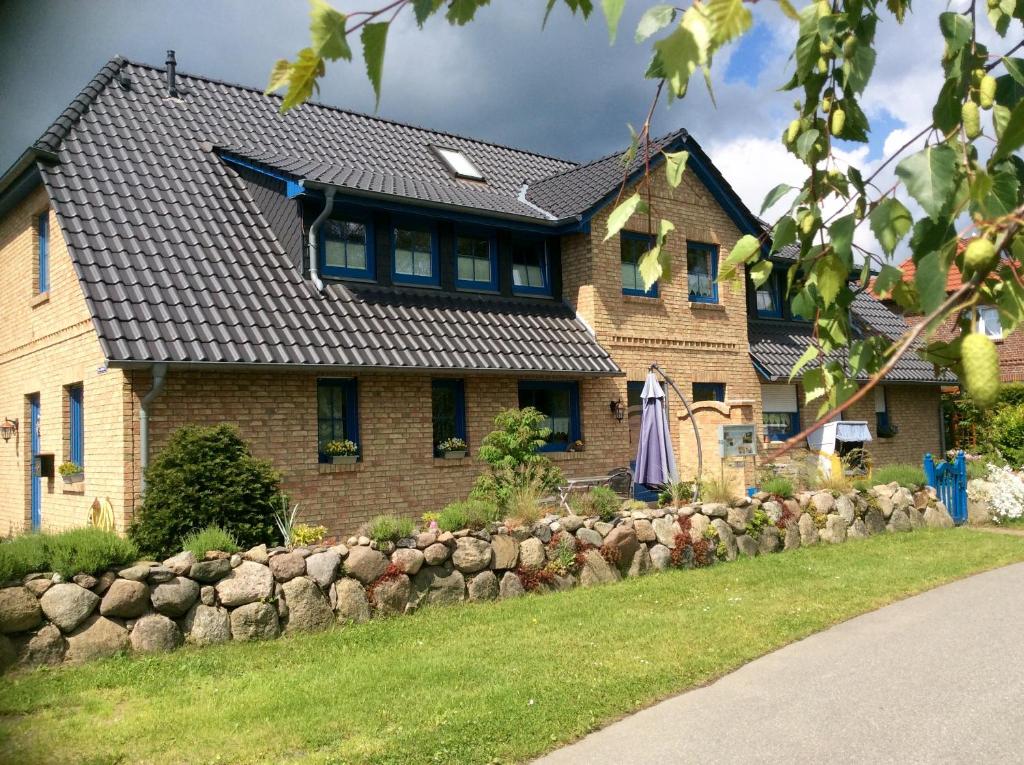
column 414, row 255
column 632, row 248
column 530, row 270
column 560, row 403
column 459, row 164
column 476, row 262
column 43, row 253
column 347, row 249
column 702, row 272
column 988, row 322
column 704, row 391
column 337, row 413
column 448, row 405
column 769, row 297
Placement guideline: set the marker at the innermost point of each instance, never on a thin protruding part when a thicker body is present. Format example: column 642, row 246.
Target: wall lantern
column 617, row 409
column 8, row 428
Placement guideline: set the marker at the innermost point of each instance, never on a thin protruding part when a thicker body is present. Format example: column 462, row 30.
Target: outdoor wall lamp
column 8, row 428
column 617, row 409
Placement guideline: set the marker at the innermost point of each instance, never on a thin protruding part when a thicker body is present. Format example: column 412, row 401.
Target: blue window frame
column 448, row 406
column 531, row 271
column 778, row 426
column 414, row 257
column 476, row 260
column 704, row 391
column 882, row 422
column 347, row 249
column 43, row 253
column 702, row 272
column 76, row 424
column 560, row 403
column 768, row 298
column 337, row 412
column 632, row 247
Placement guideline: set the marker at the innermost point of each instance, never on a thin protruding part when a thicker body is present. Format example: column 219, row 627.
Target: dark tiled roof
column 179, row 264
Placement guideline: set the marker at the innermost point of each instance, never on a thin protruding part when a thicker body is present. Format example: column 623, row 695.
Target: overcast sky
column 563, row 91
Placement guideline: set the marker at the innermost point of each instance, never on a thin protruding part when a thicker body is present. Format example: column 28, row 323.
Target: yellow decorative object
column 102, row 514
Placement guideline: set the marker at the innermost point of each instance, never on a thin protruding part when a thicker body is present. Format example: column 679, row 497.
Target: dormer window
column 459, row 164
column 346, row 248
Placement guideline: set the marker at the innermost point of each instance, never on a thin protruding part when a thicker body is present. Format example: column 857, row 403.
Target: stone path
column 937, row 678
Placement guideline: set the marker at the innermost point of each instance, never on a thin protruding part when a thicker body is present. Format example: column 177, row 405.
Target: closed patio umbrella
column 655, row 460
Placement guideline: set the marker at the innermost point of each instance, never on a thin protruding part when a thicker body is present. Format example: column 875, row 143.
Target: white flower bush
column 1002, row 491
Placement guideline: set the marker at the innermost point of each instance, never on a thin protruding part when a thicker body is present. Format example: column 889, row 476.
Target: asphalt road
column 938, row 678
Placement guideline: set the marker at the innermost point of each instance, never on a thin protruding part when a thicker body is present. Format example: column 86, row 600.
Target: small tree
column 206, row 476
column 512, row 452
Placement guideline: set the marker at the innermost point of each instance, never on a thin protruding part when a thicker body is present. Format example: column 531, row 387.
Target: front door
column 35, row 479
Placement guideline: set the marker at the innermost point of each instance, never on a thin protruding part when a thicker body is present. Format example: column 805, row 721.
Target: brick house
column 173, row 251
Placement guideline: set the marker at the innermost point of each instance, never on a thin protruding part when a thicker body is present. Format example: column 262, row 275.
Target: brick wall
column 47, row 342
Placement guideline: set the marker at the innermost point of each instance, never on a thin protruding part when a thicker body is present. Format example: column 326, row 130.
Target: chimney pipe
column 172, row 90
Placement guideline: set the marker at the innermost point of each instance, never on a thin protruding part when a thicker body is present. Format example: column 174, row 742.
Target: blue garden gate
column 950, row 482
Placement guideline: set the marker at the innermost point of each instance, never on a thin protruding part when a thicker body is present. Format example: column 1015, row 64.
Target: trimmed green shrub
column 511, row 451
column 389, row 528
column 206, row 476
column 778, row 486
column 75, row 551
column 910, row 476
column 211, row 538
column 1006, row 433
column 470, row 514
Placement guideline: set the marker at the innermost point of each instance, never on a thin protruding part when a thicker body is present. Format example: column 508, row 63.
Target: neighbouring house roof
column 954, row 280
column 178, row 264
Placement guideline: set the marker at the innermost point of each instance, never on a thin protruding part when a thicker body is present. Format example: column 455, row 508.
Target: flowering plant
column 1003, row 492
column 344, row 448
column 452, row 445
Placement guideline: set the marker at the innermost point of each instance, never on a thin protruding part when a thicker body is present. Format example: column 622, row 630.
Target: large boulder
column 19, row 609
column 471, row 555
column 181, row 564
column 409, row 560
column 531, row 553
column 644, row 530
column 323, row 567
column 255, row 621
column 139, row 572
column 350, row 603
column 857, row 530
column 155, row 634
column 365, row 564
column 641, row 563
column 713, row 510
column 96, row 638
column 885, row 506
column 808, row 530
column 899, row 521
column 46, row 646
column 257, row 554
column 308, row 609
column 391, row 595
column 746, row 546
column 665, row 530
column 589, row 537
column 792, row 540
column 483, row 586
column 438, row 585
column 726, row 538
column 247, row 583
column 506, row 551
column 209, row 571
column 822, row 502
column 874, row 522
column 624, row 542
column 68, row 605
column 511, row 586
column 661, row 557
column 739, row 517
column 126, row 598
column 845, row 509
column 835, row 529
column 938, row 519
column 915, row 517
column 769, row 540
column 596, row 570
column 435, row 554
column 175, row 598
column 207, row 625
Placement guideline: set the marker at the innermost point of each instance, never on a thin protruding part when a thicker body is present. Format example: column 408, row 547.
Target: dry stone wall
column 264, row 593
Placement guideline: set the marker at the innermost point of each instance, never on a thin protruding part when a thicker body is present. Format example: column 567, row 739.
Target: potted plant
column 453, row 448
column 342, row 452
column 577, row 446
column 71, row 472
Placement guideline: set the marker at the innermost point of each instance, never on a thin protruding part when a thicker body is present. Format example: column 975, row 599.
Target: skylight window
column 459, row 164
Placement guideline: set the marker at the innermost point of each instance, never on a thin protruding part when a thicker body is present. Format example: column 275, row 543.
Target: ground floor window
column 704, row 391
column 337, row 413
column 883, row 427
column 76, row 425
column 560, row 403
column 448, row 404
column 781, row 418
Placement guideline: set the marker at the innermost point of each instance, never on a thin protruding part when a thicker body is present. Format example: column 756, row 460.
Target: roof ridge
column 673, row 134
column 58, row 130
column 331, row 107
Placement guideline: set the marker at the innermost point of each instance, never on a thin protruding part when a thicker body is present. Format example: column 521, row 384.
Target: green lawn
column 470, row 684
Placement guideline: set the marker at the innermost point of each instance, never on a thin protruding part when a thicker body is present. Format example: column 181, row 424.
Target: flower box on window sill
column 73, row 477
column 457, row 454
column 889, row 432
column 344, row 459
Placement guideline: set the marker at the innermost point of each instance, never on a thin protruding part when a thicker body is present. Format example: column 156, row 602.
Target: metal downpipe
column 159, row 378
column 314, row 231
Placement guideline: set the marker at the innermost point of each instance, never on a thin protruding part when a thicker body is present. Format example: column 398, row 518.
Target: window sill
column 699, row 306
column 78, row 487
column 441, row 462
column 641, row 299
column 350, row 467
column 564, row 456
column 40, row 299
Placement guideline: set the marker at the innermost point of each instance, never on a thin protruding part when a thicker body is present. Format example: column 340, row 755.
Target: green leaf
column 841, row 234
column 327, row 32
column 805, row 143
column 814, row 384
column 655, row 18
column 888, row 277
column 809, row 355
column 612, row 13
column 374, row 37
column 620, row 216
column 461, row 12
column 831, row 275
column 1005, row 191
column 930, row 280
column 1015, row 67
column 775, row 195
column 279, row 76
column 650, row 267
column 890, row 222
column 784, row 233
column 675, row 165
column 760, row 271
column 1012, row 137
column 302, row 77
column 684, row 50
column 729, row 19
column 788, row 9
column 634, row 144
column 424, row 9
column 746, row 250
column 956, row 29
column 806, row 54
column 858, row 68
column 930, row 178
column 946, row 112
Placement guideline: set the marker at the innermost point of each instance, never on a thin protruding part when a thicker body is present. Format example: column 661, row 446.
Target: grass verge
column 470, row 684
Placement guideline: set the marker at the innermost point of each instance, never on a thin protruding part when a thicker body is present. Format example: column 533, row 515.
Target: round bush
column 1006, row 431
column 206, row 476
